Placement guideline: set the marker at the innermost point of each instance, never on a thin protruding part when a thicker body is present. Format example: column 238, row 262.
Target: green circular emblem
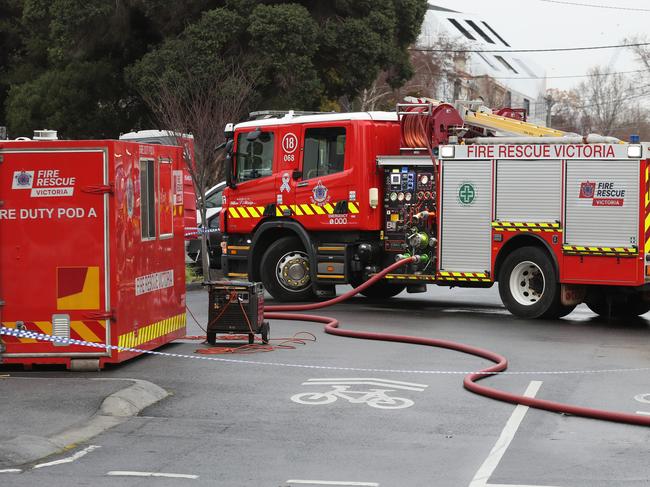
column 466, row 194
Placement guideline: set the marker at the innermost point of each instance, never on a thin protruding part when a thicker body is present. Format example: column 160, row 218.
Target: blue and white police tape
column 198, row 231
column 18, row 333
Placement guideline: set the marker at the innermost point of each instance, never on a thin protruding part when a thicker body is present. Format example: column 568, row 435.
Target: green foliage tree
column 80, row 66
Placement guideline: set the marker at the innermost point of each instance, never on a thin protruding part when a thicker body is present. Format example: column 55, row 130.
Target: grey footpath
column 115, row 409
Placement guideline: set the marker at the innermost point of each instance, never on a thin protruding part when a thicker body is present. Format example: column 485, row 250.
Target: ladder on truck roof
column 476, row 115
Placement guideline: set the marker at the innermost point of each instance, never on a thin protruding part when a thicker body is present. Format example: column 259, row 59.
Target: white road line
column 498, row 450
column 515, row 485
column 71, row 459
column 332, row 482
column 370, row 379
column 368, row 383
column 11, row 470
column 123, row 473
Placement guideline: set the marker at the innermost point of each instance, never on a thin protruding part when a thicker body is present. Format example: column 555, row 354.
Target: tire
column 380, row 289
column 285, row 271
column 629, row 306
column 528, row 285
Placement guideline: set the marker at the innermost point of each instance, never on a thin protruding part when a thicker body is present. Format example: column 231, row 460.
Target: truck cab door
column 324, row 191
column 254, row 173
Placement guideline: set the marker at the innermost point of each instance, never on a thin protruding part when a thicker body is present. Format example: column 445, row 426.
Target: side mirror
column 230, row 181
column 254, row 135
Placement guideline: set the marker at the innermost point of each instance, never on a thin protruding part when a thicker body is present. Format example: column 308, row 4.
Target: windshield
column 254, row 158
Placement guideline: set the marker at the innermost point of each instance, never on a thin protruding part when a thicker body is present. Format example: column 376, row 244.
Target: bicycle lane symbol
column 376, row 397
column 645, row 399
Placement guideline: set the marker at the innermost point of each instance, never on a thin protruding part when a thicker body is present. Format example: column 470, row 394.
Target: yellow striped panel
column 253, row 212
column 242, row 211
column 317, row 209
column 329, row 208
column 352, row 207
column 84, row 332
column 306, row 209
column 260, row 210
column 233, row 213
column 647, row 246
column 296, row 209
column 647, row 222
column 278, row 212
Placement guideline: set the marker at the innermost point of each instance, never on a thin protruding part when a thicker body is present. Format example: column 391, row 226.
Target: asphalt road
column 242, row 424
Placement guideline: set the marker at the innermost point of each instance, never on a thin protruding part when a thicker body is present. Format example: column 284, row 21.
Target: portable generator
column 236, row 307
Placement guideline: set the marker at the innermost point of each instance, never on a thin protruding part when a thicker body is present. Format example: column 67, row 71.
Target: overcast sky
column 533, row 24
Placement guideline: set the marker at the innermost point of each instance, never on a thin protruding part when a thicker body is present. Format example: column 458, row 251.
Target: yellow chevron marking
column 444, row 273
column 457, row 274
column 647, row 222
column 233, row 213
column 253, row 212
column 329, row 208
column 647, row 246
column 278, row 212
column 242, row 211
column 260, row 210
column 84, row 332
column 352, row 208
column 317, row 209
column 284, row 208
column 306, row 209
column 296, row 209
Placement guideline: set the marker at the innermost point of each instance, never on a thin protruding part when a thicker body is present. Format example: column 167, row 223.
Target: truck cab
column 300, row 198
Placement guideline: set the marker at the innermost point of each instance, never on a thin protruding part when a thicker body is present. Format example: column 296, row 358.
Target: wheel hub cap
column 527, row 283
column 293, row 271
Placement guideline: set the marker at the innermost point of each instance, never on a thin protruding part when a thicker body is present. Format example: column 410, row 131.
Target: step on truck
column 475, row 196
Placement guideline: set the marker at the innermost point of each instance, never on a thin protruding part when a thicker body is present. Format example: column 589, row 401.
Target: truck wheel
column 379, row 290
column 528, row 285
column 285, row 271
column 628, row 307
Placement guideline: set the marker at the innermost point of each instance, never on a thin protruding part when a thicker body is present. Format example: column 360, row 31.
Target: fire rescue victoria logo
column 320, row 194
column 602, row 193
column 23, row 180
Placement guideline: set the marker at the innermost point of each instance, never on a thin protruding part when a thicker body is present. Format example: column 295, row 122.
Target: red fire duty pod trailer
column 91, row 248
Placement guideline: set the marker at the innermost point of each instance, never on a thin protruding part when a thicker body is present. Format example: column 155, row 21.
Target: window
column 495, row 33
column 214, row 200
column 526, row 69
column 147, row 200
column 254, row 157
column 487, row 61
column 165, row 198
column 324, row 151
column 485, row 37
column 506, row 64
column 462, row 29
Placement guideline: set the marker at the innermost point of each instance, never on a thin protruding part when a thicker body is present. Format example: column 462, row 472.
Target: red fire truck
column 91, row 248
column 317, row 200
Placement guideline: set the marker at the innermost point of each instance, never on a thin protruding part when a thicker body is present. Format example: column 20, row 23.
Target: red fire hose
column 470, row 381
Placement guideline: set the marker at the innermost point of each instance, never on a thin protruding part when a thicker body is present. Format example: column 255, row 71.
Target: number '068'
column 289, row 158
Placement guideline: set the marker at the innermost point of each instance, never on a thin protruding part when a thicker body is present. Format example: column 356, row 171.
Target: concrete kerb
column 116, row 409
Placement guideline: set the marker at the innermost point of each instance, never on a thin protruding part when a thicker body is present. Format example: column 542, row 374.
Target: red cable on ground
column 470, row 381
